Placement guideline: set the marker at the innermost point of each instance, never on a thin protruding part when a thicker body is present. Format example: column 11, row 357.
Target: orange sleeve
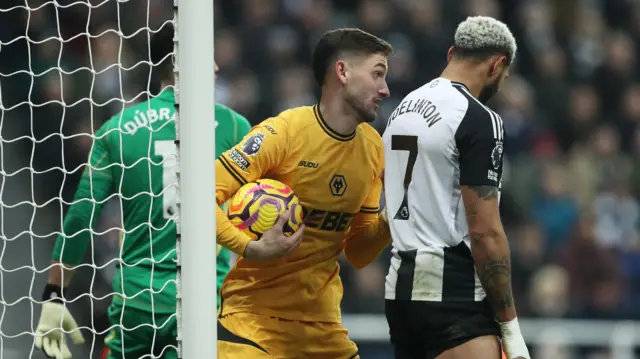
column 261, row 150
column 369, row 234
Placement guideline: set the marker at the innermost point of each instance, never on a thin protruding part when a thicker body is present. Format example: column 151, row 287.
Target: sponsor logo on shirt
column 252, row 145
column 492, row 175
column 308, row 164
column 327, row 220
column 239, row 159
column 270, row 129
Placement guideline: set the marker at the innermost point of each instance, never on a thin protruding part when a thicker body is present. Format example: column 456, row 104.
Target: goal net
column 66, row 68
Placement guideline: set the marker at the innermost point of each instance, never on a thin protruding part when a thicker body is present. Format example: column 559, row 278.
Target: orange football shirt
column 336, row 178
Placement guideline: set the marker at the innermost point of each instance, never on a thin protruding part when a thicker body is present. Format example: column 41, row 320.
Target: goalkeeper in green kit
column 133, row 156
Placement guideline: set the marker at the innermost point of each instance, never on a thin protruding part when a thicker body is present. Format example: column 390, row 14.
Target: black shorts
column 423, row 330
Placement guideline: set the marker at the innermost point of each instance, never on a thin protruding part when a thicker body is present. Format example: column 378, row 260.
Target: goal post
column 89, row 168
column 195, row 101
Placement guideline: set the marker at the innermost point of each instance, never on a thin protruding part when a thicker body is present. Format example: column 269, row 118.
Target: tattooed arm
column 490, row 248
column 480, row 141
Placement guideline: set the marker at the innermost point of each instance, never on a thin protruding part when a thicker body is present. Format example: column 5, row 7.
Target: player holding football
column 290, row 307
column 142, row 139
column 448, row 289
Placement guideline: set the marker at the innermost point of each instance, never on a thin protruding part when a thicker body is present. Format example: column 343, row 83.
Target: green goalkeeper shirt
column 133, row 158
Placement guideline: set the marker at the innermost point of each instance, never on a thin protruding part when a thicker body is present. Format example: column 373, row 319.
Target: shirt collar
column 167, row 94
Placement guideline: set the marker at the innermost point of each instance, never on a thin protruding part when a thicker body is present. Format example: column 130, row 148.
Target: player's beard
column 489, row 90
column 358, row 104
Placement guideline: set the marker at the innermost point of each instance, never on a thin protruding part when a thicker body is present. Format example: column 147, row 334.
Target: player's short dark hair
column 350, row 41
column 161, row 48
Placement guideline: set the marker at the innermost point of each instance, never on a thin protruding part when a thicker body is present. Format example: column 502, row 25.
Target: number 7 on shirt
column 405, row 143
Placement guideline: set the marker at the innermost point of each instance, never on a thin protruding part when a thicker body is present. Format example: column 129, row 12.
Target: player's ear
column 450, row 54
column 341, row 71
column 497, row 65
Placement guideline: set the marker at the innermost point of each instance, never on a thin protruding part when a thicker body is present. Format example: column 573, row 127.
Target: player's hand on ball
column 49, row 338
column 274, row 243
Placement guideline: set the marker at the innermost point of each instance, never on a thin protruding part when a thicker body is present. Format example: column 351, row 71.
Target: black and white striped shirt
column 439, row 138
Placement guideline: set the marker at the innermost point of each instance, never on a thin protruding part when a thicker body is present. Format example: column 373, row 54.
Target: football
column 256, row 207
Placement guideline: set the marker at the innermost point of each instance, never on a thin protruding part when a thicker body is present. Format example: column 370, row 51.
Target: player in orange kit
column 332, row 158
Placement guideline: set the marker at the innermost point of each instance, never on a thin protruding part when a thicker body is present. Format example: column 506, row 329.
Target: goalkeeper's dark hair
column 337, row 43
column 161, row 51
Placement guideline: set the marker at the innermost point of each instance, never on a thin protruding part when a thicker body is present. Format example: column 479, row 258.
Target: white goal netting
column 66, row 67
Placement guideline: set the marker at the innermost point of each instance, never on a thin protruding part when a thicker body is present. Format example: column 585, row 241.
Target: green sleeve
column 94, row 188
column 242, row 125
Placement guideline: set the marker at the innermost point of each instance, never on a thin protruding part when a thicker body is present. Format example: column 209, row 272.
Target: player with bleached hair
column 486, row 38
column 448, row 290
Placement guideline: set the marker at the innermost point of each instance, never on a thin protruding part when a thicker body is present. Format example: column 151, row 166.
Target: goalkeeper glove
column 512, row 340
column 54, row 319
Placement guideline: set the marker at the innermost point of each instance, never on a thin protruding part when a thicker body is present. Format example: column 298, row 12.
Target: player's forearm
column 58, row 276
column 490, row 248
column 228, row 236
column 70, row 247
column 367, row 241
column 493, row 263
column 92, row 191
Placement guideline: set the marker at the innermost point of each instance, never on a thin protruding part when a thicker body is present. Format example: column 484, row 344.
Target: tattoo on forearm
column 492, row 263
column 495, row 276
column 485, row 193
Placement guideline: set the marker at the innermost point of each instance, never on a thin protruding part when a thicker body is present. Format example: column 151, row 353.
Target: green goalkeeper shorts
column 137, row 333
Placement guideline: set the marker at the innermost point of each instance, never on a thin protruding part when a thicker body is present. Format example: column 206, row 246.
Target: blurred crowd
column 571, row 110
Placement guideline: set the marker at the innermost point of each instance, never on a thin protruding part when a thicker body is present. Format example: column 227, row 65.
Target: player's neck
column 464, row 75
column 336, row 116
